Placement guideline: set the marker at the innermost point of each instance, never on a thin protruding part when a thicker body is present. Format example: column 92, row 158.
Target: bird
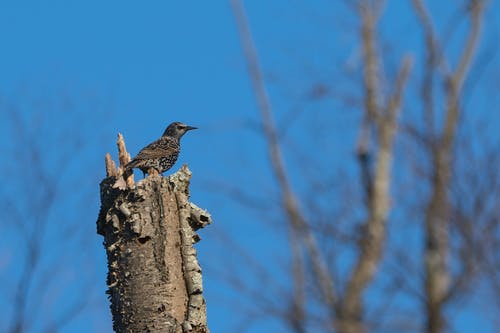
column 161, row 154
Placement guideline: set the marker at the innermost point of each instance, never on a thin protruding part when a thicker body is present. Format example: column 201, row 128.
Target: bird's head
column 177, row 130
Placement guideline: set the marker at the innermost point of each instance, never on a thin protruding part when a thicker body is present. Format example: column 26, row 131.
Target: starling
column 162, row 153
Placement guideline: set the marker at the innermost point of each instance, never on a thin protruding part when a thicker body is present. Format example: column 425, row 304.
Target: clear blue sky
column 101, row 67
column 133, row 68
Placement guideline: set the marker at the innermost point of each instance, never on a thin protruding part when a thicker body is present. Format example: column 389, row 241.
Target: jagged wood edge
column 191, row 218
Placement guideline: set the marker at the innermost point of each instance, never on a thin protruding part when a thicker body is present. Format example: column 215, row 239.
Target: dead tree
column 149, row 228
column 323, row 293
column 440, row 284
column 346, row 311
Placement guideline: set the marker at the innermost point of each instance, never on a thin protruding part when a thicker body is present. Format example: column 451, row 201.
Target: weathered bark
column 154, row 279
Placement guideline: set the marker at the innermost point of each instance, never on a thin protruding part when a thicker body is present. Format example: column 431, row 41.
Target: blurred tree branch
column 383, row 120
column 438, row 282
column 299, row 229
column 452, row 253
column 29, row 200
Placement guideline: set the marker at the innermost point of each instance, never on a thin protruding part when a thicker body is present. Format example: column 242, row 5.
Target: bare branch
column 371, row 61
column 376, row 183
column 290, row 205
column 394, row 102
column 297, row 316
column 436, row 55
column 33, row 212
column 455, row 80
column 438, row 284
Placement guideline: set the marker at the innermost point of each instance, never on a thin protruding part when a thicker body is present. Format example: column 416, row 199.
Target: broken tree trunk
column 154, row 279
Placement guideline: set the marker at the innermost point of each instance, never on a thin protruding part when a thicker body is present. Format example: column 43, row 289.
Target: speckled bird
column 162, row 153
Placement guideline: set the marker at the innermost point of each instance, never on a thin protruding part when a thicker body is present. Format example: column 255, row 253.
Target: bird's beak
column 188, row 128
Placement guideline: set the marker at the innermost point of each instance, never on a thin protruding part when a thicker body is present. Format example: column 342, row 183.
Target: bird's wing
column 156, row 149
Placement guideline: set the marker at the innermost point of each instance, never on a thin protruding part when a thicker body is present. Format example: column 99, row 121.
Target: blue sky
column 96, row 68
column 106, row 67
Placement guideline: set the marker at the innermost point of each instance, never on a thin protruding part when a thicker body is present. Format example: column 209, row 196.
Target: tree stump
column 149, row 228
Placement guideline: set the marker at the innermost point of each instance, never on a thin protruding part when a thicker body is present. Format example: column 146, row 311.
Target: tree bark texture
column 154, row 279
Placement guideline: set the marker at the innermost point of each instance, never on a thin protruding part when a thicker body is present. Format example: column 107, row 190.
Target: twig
column 289, row 201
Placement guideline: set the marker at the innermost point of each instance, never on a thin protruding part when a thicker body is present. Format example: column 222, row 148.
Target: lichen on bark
column 154, row 278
